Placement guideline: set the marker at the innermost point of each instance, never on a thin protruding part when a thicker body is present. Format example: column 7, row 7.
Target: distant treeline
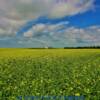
column 91, row 47
column 88, row 47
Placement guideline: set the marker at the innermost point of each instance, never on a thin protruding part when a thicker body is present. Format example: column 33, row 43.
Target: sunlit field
column 49, row 72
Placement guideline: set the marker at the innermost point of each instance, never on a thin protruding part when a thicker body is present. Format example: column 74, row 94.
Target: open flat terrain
column 49, row 72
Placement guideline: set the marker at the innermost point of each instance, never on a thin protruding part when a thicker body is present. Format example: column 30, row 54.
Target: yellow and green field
column 49, row 72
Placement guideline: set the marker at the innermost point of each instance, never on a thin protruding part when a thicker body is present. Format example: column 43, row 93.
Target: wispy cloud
column 15, row 16
column 14, row 12
column 69, row 35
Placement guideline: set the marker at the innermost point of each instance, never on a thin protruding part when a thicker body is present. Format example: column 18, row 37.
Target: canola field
column 49, row 72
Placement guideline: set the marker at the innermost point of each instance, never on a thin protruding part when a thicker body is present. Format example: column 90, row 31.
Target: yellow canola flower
column 77, row 94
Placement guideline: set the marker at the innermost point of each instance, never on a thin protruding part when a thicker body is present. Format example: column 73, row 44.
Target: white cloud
column 87, row 35
column 70, row 7
column 56, row 34
column 29, row 9
column 9, row 27
column 39, row 27
column 57, row 26
column 28, row 34
column 98, row 30
column 7, row 33
column 68, row 35
column 14, row 13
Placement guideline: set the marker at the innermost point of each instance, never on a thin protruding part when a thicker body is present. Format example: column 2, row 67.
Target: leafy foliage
column 59, row 72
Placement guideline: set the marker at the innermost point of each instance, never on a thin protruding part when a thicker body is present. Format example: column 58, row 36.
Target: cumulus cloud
column 19, row 9
column 9, row 27
column 14, row 13
column 70, row 7
column 28, row 34
column 68, row 36
column 41, row 29
column 7, row 33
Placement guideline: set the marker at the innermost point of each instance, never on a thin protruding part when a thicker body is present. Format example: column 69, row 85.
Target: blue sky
column 57, row 23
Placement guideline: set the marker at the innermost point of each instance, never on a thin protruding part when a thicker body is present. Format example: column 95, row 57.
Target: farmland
column 49, row 72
